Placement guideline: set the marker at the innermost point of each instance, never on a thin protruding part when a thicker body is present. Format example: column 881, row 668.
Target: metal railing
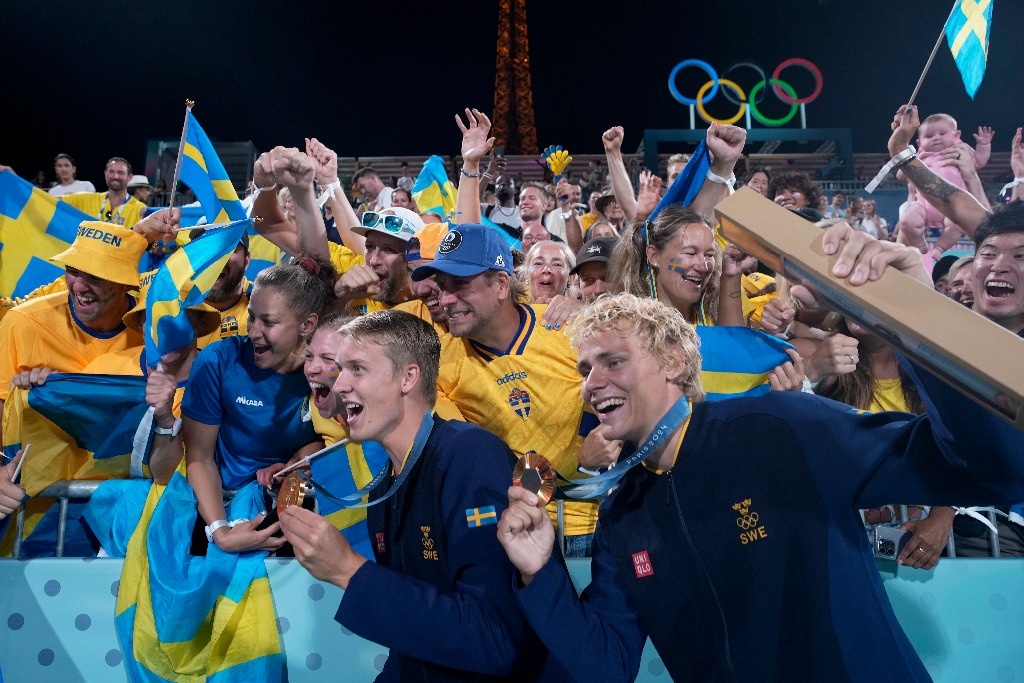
column 65, row 491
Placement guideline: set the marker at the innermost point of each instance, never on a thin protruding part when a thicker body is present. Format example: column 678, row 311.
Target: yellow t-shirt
column 343, row 259
column 888, row 396
column 58, row 285
column 528, row 395
column 234, row 320
column 43, row 332
column 98, row 206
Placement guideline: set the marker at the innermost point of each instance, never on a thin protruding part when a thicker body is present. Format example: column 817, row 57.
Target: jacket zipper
column 714, row 593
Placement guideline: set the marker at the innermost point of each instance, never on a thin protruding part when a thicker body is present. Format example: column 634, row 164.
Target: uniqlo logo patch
column 642, row 564
column 381, row 548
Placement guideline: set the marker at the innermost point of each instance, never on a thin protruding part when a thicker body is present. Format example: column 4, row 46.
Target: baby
column 939, row 142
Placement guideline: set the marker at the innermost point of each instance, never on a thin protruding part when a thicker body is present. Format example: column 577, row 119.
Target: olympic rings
column 708, row 69
column 782, row 120
column 728, row 84
column 735, row 94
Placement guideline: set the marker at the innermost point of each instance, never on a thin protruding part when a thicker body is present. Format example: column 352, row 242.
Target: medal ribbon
column 351, row 501
column 598, row 486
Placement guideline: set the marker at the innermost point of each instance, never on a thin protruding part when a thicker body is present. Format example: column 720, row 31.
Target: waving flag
column 202, row 170
column 967, row 32
column 433, row 192
column 184, row 280
column 735, row 361
column 33, row 227
column 181, row 617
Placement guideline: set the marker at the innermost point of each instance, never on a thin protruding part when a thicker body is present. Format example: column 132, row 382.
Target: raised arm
column 326, row 160
column 621, row 187
column 1017, row 164
column 475, row 145
column 952, row 202
column 726, row 146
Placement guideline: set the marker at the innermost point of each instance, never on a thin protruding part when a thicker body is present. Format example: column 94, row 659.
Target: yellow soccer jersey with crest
column 234, row 320
column 528, row 395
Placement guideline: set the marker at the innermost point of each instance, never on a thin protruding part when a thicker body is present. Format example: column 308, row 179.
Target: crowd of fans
column 497, row 281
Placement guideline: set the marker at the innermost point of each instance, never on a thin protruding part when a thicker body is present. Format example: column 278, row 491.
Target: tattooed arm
column 955, row 204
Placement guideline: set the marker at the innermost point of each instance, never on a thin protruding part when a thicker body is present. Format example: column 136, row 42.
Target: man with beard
column 115, row 205
column 65, row 331
column 375, row 280
column 230, row 294
column 532, row 200
column 505, row 213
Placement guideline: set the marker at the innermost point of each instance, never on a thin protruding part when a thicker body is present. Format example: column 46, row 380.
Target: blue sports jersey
column 263, row 415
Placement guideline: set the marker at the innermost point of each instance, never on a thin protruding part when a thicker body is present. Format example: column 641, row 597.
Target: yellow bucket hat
column 106, row 251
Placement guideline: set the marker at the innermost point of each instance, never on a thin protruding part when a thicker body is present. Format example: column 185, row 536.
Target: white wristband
column 328, row 193
column 715, row 178
column 171, row 431
column 212, row 528
column 897, row 160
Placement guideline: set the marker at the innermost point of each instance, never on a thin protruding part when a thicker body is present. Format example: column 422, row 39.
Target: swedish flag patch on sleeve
column 481, row 516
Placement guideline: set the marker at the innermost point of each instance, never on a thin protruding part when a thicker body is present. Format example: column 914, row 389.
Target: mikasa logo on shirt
column 249, row 402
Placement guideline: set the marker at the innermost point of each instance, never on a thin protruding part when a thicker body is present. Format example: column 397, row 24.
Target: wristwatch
column 567, row 215
column 168, row 431
column 211, row 529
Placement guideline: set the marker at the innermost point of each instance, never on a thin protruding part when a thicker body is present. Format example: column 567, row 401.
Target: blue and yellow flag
column 343, row 474
column 80, row 427
column 202, row 170
column 967, row 32
column 184, row 280
column 433, row 192
column 735, row 361
column 181, row 617
column 33, row 227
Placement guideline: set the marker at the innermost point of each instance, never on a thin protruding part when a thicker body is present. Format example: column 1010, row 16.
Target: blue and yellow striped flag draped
column 202, row 170
column 80, row 427
column 735, row 361
column 433, row 192
column 181, row 617
column 967, row 32
column 33, row 227
column 184, row 280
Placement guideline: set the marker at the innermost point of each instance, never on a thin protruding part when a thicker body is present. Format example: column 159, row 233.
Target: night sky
column 386, row 78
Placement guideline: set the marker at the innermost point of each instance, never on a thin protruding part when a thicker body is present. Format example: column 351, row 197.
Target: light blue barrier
column 966, row 619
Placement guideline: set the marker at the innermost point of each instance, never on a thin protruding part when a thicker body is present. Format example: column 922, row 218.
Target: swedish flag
column 180, row 617
column 481, row 516
column 433, row 192
column 184, row 280
column 967, row 32
column 202, row 170
column 735, row 361
column 80, row 427
column 33, row 227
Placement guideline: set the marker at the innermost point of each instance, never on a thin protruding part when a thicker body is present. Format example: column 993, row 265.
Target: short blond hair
column 660, row 329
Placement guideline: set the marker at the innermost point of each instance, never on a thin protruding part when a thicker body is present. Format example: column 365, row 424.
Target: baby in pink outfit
column 938, row 140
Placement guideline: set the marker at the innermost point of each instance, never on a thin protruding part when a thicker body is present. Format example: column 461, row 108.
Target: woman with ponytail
column 246, row 411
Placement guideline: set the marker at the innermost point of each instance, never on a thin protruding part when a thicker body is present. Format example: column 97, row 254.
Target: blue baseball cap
column 468, row 249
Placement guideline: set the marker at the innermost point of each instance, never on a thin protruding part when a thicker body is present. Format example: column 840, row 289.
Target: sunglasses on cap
column 392, row 223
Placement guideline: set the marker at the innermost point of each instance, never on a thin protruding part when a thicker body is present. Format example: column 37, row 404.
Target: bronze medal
column 534, row 473
column 293, row 490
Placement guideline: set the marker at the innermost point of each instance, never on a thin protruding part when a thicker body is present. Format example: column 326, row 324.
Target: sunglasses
column 392, row 223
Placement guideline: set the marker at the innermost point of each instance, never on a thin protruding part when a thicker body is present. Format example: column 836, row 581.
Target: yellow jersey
column 528, row 395
column 97, row 204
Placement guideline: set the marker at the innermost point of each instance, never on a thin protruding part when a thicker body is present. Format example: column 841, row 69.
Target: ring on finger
column 852, row 359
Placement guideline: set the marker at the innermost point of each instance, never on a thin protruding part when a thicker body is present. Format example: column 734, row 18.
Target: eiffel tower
column 513, row 124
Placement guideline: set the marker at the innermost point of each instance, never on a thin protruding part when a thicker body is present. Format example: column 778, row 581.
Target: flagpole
column 181, row 151
column 931, row 58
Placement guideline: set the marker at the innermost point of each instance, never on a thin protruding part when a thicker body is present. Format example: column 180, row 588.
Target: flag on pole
column 967, row 32
column 184, row 280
